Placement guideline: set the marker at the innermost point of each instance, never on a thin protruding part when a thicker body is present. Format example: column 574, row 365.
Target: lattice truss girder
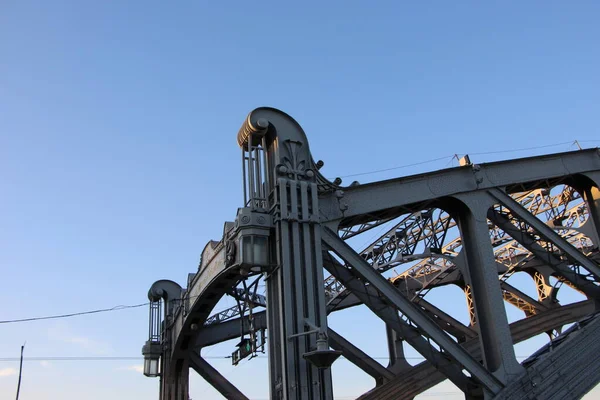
column 563, row 211
column 474, row 226
column 427, row 230
column 425, row 241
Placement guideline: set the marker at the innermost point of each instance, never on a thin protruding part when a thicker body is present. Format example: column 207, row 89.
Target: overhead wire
column 521, row 149
column 450, row 157
column 132, row 358
column 398, row 167
column 102, row 310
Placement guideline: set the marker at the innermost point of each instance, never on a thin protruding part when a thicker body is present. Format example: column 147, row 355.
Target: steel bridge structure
column 472, row 226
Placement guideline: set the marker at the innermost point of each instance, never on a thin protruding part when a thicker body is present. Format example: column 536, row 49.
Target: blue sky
column 119, row 162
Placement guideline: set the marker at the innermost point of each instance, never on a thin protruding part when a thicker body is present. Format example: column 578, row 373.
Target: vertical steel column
column 591, row 195
column 482, row 277
column 398, row 361
column 276, row 340
column 295, row 286
column 175, row 379
column 295, row 295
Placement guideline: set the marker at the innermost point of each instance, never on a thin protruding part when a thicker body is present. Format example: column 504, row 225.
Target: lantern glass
column 260, row 251
column 255, row 251
column 151, row 367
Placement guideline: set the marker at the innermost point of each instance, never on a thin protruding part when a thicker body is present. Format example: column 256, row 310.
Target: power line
column 401, row 166
column 81, row 358
column 473, row 154
column 521, row 149
column 134, row 358
column 115, row 308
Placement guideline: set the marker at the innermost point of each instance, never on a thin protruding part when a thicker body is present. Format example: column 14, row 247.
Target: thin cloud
column 63, row 333
column 89, row 344
column 45, row 364
column 7, row 372
column 136, row 368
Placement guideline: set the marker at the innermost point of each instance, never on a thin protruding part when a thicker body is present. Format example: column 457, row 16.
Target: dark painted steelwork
column 424, row 376
column 474, row 226
column 208, row 372
column 358, row 357
column 412, row 324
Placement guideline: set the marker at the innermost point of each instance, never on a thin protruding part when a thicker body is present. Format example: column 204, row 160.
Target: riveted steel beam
column 552, row 260
column 358, row 357
column 424, row 376
column 388, row 295
column 389, row 314
column 520, row 300
column 383, row 199
column 283, row 183
column 446, row 322
column 567, row 368
column 214, row 377
column 221, row 331
column 546, row 232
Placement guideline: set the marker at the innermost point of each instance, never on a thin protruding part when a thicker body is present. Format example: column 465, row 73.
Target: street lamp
column 255, row 251
column 252, row 237
column 151, row 352
column 322, row 357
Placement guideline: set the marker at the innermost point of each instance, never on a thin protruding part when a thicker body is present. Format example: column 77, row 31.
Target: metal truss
column 473, row 226
column 428, row 230
column 242, row 295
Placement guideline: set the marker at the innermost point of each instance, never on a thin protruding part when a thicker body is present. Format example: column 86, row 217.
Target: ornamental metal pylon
column 473, row 226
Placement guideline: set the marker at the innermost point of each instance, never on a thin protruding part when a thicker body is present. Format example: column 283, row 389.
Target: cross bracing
column 475, row 227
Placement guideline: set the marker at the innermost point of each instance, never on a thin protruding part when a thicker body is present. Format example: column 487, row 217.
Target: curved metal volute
column 255, row 129
column 273, row 123
column 286, row 145
column 164, row 289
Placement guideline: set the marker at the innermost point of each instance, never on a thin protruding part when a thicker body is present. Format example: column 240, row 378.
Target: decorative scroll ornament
column 292, row 165
column 229, row 253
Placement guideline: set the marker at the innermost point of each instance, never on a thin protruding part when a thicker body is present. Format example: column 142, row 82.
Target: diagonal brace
column 389, row 314
column 554, row 262
column 546, row 232
column 358, row 357
column 536, row 305
column 212, row 376
column 393, row 297
column 446, row 322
